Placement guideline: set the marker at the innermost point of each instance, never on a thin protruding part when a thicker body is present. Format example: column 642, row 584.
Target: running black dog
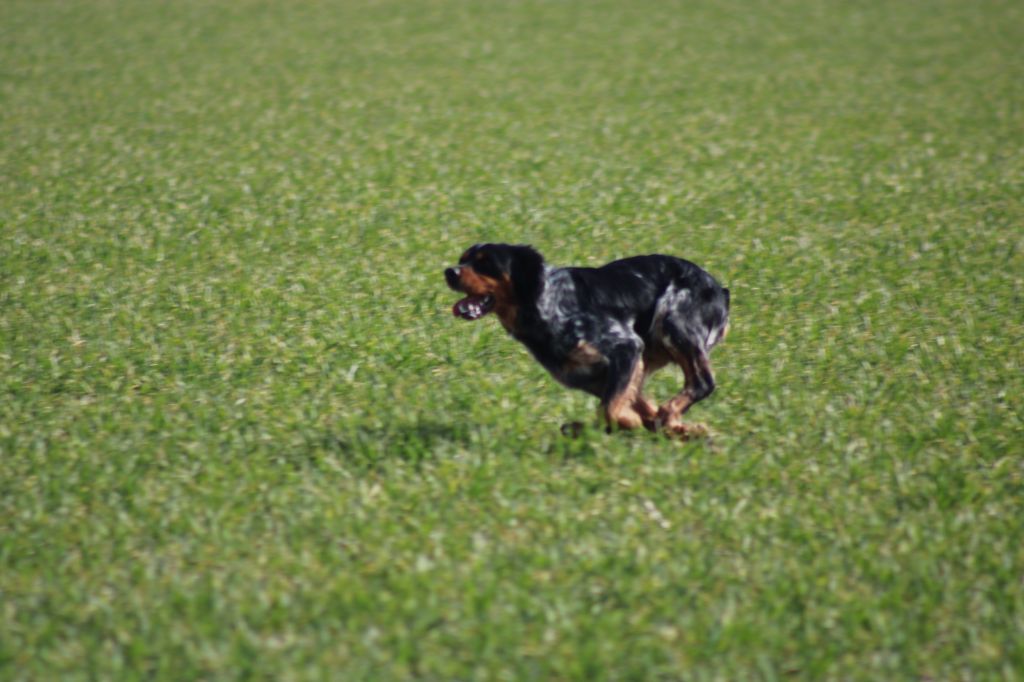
column 603, row 330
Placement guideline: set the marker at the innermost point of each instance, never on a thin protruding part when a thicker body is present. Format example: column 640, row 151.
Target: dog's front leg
column 625, row 379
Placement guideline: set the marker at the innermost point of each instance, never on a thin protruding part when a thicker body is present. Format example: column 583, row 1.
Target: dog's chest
column 565, row 346
column 582, row 367
column 567, row 355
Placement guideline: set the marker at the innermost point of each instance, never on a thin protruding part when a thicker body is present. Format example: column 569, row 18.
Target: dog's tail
column 719, row 334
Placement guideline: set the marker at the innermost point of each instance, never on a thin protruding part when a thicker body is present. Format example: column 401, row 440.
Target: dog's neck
column 550, row 309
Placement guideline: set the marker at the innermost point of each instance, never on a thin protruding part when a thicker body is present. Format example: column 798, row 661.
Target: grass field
column 242, row 437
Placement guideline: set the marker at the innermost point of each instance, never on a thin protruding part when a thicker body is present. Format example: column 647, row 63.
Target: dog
column 603, row 330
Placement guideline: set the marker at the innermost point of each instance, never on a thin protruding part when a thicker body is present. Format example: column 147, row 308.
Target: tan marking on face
column 475, row 284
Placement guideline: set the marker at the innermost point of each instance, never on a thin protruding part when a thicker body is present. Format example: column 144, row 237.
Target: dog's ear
column 527, row 273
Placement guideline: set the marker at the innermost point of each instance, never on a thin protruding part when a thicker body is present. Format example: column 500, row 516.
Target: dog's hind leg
column 684, row 344
column 689, row 325
column 700, row 383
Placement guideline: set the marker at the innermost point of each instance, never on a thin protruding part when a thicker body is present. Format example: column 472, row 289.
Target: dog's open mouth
column 473, row 307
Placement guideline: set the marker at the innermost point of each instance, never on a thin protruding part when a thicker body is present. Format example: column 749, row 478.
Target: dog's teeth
column 472, row 308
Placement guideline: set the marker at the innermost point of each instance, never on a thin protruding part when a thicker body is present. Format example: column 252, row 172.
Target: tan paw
column 680, row 431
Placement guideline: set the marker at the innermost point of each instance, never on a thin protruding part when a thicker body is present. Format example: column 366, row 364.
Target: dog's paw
column 685, row 432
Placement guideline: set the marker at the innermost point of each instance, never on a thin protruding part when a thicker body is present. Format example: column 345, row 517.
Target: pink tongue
column 469, row 308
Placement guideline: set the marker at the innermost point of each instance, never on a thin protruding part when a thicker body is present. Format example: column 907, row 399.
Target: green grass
column 242, row 437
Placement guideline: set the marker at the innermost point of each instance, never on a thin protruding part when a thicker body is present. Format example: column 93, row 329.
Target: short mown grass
column 242, row 437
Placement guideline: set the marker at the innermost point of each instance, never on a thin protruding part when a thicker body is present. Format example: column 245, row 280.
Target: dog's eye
column 485, row 265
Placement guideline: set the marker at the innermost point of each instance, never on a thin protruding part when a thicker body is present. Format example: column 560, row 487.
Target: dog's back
column 646, row 289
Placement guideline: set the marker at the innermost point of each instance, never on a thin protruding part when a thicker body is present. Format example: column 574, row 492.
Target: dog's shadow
column 374, row 445
column 423, row 441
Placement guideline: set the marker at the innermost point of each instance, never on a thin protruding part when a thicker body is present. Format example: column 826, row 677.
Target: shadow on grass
column 371, row 446
column 419, row 442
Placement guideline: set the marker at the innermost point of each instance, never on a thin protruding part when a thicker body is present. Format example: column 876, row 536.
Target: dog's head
column 496, row 277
